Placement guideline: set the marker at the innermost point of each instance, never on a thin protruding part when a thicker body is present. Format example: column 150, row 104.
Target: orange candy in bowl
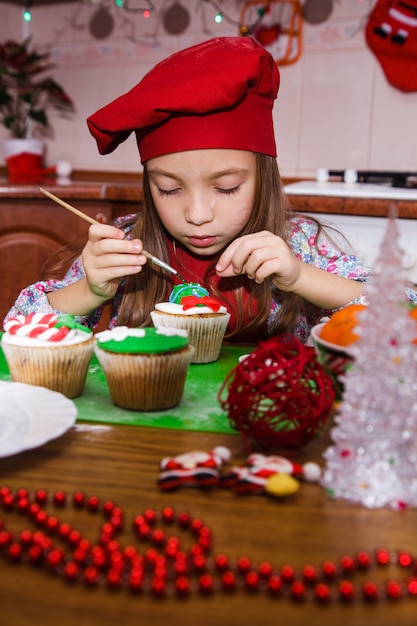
column 332, row 339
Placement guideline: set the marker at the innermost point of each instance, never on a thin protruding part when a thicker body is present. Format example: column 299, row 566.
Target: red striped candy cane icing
column 36, row 326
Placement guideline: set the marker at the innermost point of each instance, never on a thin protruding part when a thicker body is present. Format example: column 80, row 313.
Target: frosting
column 187, row 289
column 178, row 309
column 43, row 329
column 142, row 340
column 190, row 299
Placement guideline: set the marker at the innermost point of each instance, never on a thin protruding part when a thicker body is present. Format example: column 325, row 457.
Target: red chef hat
column 217, row 94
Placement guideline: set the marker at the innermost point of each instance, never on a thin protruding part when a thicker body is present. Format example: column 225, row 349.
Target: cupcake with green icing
column 145, row 368
column 190, row 307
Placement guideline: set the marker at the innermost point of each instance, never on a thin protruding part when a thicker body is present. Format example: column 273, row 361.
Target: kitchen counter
column 95, row 189
column 358, row 211
column 125, row 191
column 352, row 199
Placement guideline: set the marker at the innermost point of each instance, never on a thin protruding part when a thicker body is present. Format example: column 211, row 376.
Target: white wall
column 335, row 107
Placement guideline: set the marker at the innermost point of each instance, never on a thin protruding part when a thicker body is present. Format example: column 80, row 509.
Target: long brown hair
column 271, row 211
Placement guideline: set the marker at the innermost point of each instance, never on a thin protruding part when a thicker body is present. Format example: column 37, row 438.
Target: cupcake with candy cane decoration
column 191, row 308
column 48, row 350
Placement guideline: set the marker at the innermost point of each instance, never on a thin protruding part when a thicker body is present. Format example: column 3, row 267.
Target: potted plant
column 26, row 97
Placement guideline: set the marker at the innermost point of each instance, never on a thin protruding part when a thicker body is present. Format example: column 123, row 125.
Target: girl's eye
column 167, row 192
column 229, row 192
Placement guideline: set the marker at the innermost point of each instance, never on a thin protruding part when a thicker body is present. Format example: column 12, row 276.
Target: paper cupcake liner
column 205, row 333
column 59, row 368
column 145, row 382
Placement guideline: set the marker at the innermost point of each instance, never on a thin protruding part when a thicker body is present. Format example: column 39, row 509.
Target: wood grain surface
column 121, row 463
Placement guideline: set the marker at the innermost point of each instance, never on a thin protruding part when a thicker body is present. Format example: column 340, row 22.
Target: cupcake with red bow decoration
column 191, row 308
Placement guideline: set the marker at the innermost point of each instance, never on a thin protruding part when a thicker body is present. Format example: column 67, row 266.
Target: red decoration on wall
column 391, row 34
column 266, row 35
column 279, row 22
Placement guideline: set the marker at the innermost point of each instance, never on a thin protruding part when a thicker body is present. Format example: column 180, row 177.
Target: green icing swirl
column 187, row 289
column 68, row 321
column 154, row 341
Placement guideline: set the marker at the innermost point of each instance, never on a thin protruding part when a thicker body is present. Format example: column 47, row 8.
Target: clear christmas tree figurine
column 373, row 459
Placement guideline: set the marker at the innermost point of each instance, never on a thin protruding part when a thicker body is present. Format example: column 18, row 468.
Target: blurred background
column 335, row 109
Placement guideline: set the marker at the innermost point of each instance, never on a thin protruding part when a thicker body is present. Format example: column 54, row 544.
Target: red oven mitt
column 391, row 34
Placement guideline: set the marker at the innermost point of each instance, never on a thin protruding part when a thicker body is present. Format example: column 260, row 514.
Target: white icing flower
column 172, row 332
column 120, row 333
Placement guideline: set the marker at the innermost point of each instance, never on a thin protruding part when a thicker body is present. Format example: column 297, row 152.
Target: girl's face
column 203, row 197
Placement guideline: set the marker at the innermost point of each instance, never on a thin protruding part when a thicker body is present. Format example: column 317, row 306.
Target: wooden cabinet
column 29, row 233
column 32, row 228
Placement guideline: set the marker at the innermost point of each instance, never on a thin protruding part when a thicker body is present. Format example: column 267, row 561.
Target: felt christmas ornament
column 279, row 396
column 266, row 35
column 193, row 469
column 281, row 485
column 275, row 475
column 391, row 34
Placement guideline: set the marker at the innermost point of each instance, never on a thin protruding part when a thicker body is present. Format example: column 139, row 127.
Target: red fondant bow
column 187, row 302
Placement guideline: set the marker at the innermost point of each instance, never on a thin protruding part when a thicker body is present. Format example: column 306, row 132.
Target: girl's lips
column 202, row 242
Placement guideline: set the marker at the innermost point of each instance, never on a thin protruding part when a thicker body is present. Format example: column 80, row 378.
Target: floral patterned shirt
column 304, row 241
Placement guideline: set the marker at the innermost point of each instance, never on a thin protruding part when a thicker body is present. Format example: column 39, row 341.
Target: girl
column 213, row 206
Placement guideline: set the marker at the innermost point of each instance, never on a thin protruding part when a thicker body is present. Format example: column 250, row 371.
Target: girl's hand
column 264, row 255
column 260, row 256
column 107, row 257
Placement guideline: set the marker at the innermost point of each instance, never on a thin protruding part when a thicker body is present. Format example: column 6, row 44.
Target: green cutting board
column 199, row 409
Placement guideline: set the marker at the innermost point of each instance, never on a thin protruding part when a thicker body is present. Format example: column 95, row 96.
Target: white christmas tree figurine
column 374, row 457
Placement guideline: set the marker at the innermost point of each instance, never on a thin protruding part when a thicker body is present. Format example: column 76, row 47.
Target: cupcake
column 48, row 350
column 191, row 308
column 145, row 368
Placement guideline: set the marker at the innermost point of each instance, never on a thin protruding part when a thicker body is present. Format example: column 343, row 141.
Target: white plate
column 30, row 416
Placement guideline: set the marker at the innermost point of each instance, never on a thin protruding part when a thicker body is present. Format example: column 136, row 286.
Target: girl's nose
column 199, row 211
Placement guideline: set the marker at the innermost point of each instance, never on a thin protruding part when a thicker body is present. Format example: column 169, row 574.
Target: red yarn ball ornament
column 279, row 396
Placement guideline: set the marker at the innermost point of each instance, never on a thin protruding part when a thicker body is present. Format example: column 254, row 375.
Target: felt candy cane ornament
column 391, row 34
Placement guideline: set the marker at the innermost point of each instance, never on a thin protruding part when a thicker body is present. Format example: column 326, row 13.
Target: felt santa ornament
column 391, row 34
column 275, row 475
column 193, row 469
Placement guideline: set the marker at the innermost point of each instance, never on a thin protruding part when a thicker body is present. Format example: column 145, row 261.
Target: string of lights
column 27, row 15
column 148, row 8
column 221, row 15
column 218, row 18
column 125, row 4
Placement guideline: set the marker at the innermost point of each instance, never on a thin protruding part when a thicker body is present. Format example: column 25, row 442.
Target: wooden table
column 121, row 463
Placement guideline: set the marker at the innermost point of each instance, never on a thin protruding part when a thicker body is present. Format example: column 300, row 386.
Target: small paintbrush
column 91, row 220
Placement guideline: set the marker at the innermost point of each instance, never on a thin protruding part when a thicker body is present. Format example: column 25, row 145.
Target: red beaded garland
column 370, row 590
column 252, row 581
column 322, row 592
column 274, row 585
column 166, row 567
column 206, row 583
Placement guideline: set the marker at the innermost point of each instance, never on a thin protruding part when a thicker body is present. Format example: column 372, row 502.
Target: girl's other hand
column 260, row 256
column 108, row 256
